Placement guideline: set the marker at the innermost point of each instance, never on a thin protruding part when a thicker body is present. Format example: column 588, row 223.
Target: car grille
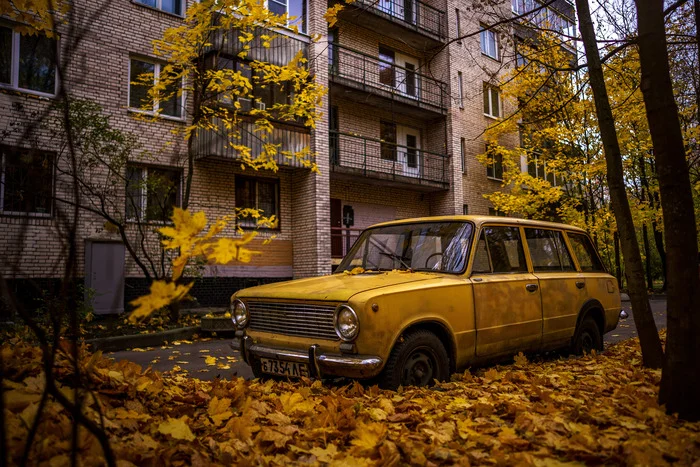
column 293, row 319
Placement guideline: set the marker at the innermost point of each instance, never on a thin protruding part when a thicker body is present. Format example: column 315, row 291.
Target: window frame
column 156, row 105
column 16, row 37
column 159, row 3
column 51, row 203
column 256, row 180
column 303, row 27
column 543, row 165
column 492, row 165
column 460, row 88
column 488, row 97
column 463, row 153
column 486, row 37
column 524, row 267
column 584, row 235
column 143, row 207
column 559, row 256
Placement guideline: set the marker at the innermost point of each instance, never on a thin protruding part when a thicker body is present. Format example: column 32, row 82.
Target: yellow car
column 415, row 300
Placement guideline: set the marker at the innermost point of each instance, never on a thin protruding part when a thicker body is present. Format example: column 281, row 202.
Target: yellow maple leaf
column 224, row 250
column 177, row 428
column 210, row 360
column 294, row 403
column 161, row 294
column 186, row 226
column 219, row 410
column 326, row 454
column 367, row 436
column 520, row 359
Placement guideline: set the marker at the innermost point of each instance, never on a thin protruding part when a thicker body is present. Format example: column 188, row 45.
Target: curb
column 626, row 298
column 116, row 343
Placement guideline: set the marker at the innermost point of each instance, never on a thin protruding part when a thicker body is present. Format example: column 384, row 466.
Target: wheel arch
column 441, row 331
column 594, row 309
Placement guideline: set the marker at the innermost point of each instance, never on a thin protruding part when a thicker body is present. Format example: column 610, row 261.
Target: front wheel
column 587, row 337
column 417, row 360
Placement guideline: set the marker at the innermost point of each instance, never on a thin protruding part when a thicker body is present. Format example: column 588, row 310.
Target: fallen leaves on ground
column 598, row 409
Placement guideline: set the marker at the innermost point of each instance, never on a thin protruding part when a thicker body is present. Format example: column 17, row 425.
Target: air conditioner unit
column 246, row 104
column 260, row 105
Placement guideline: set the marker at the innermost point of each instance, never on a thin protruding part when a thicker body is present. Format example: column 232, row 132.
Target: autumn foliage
column 599, row 409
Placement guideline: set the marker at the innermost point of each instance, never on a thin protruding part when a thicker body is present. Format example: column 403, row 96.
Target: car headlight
column 347, row 326
column 239, row 314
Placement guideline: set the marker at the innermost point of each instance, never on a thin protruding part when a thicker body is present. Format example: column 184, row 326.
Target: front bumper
column 320, row 364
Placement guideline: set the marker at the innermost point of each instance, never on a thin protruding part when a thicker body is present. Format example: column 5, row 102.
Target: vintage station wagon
column 417, row 299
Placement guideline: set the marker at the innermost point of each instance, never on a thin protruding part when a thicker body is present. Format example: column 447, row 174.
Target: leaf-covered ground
column 598, row 409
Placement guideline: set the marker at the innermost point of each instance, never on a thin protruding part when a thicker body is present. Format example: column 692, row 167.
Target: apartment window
column 257, row 193
column 387, row 135
column 463, row 153
column 522, row 6
column 459, row 25
column 138, row 93
column 489, row 42
column 169, row 6
column 151, row 193
column 520, row 59
column 460, row 89
column 386, row 66
column 537, row 168
column 26, row 181
column 492, row 101
column 494, row 168
column 296, row 9
column 27, row 62
column 465, row 209
column 496, row 212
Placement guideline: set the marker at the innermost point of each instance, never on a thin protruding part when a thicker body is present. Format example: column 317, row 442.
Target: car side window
column 585, row 252
column 482, row 265
column 548, row 250
column 505, row 249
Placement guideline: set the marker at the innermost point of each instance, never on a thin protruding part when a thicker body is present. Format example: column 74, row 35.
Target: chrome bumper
column 320, row 364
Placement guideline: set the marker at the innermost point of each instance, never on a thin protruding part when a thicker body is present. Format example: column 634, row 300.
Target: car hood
column 335, row 288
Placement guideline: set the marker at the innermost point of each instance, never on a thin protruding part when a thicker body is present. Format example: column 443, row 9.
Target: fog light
column 347, row 326
column 239, row 314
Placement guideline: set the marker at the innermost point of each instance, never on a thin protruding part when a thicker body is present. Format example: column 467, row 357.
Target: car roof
column 479, row 220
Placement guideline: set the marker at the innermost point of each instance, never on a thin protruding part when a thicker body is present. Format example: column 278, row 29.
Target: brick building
column 402, row 122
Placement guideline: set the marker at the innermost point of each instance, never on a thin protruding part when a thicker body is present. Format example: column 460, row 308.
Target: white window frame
column 460, row 88
column 14, row 66
column 543, row 166
column 142, row 209
column 156, row 105
column 23, row 213
column 489, row 112
column 159, row 7
column 459, row 25
column 463, row 153
column 299, row 19
column 489, row 42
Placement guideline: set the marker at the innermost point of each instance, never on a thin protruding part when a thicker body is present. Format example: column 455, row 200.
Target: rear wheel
column 587, row 338
column 417, row 360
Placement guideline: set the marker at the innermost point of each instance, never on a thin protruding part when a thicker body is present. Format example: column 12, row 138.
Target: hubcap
column 420, row 368
column 586, row 342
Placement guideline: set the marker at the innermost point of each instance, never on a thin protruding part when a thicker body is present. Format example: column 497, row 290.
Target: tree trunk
column 680, row 378
column 647, row 258
column 618, row 266
column 652, row 353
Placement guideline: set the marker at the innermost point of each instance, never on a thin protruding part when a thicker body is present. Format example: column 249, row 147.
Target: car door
column 562, row 288
column 507, row 302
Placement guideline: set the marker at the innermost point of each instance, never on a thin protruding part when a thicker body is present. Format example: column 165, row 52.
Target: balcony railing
column 217, row 142
column 395, row 82
column 413, row 14
column 281, row 50
column 379, row 159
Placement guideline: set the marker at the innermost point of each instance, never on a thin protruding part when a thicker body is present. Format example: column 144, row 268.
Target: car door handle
column 531, row 287
column 580, row 284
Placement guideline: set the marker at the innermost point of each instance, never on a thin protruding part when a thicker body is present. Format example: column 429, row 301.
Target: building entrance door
column 409, row 153
column 104, row 275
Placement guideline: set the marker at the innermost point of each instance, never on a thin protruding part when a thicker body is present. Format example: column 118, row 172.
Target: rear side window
column 548, row 251
column 500, row 250
column 585, row 252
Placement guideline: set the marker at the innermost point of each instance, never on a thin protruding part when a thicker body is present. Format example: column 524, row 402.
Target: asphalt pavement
column 211, row 358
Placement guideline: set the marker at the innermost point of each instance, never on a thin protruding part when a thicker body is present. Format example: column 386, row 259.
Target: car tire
column 417, row 359
column 587, row 337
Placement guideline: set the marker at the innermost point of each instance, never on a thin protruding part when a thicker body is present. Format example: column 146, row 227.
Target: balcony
column 283, row 47
column 369, row 80
column 216, row 143
column 421, row 26
column 353, row 156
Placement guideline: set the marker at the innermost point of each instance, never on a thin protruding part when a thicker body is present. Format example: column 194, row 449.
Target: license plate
column 283, row 368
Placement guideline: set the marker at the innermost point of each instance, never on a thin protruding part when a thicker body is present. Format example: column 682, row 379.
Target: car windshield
column 428, row 246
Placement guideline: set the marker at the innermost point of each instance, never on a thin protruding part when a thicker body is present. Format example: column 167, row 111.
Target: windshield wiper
column 397, row 257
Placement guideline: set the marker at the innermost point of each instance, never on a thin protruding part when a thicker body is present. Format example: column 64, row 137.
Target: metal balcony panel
column 216, row 143
column 374, row 81
column 415, row 23
column 374, row 161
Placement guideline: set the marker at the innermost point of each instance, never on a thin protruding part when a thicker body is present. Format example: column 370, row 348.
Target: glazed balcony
column 416, row 23
column 283, row 47
column 370, row 80
column 353, row 156
column 216, row 143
